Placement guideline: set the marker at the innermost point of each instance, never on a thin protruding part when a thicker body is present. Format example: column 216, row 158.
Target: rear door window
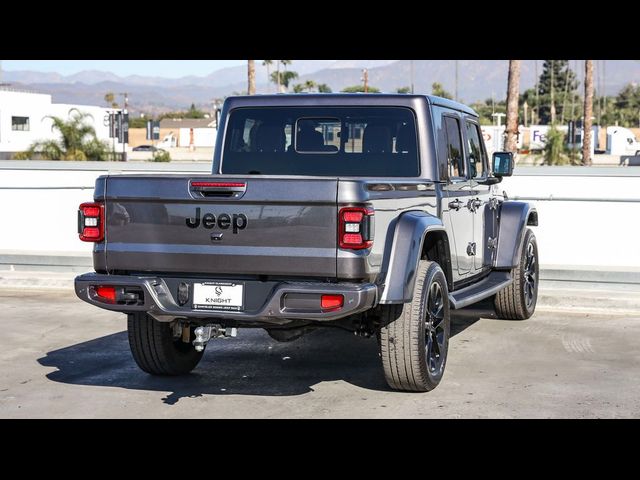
column 455, row 155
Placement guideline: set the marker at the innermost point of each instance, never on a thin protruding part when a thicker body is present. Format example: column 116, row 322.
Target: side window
column 477, row 155
column 455, row 158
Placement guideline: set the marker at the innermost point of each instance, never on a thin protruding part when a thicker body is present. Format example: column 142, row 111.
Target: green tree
column 324, row 88
column 554, row 148
column 285, row 77
column 308, row 85
column 78, row 141
column 403, row 90
column 556, row 87
column 360, row 89
column 268, row 63
column 193, row 112
column 138, row 122
column 438, row 90
column 626, row 107
column 110, row 99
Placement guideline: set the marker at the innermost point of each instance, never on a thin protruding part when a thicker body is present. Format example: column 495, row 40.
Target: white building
column 24, row 119
column 199, row 132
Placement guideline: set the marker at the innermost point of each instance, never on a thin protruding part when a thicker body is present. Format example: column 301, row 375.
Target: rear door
column 481, row 209
column 456, row 216
column 222, row 225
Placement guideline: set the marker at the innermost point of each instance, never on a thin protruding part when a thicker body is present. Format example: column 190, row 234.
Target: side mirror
column 502, row 164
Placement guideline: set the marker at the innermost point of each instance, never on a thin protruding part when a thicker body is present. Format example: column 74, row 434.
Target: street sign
column 123, row 127
column 153, row 130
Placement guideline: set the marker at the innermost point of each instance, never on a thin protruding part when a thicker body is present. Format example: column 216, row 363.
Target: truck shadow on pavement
column 251, row 364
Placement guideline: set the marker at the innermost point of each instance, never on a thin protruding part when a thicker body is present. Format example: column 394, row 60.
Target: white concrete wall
column 584, row 233
column 37, row 216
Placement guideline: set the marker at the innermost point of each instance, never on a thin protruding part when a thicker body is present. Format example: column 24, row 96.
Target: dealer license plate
column 218, row 296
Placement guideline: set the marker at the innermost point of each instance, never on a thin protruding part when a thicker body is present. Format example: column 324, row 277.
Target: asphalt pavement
column 62, row 358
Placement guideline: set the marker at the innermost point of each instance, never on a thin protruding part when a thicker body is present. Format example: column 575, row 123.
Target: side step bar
column 486, row 287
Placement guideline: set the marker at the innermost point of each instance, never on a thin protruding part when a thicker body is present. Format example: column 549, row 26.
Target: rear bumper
column 159, row 299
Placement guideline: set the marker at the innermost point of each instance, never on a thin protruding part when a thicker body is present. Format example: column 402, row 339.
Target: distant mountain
column 477, row 80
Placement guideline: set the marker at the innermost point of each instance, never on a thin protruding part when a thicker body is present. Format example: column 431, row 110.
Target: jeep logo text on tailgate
column 237, row 221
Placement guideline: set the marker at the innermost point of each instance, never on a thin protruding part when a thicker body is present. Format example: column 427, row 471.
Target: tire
column 518, row 300
column 155, row 349
column 413, row 351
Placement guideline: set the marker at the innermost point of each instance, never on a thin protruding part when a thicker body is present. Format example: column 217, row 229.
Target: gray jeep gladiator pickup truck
column 378, row 214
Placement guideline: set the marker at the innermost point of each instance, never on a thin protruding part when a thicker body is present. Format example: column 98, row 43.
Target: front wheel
column 518, row 300
column 414, row 340
column 157, row 349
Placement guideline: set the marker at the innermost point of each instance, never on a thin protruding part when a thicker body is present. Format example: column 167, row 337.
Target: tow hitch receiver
column 207, row 332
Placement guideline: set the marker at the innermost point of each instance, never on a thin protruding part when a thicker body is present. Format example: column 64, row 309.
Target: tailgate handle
column 218, row 189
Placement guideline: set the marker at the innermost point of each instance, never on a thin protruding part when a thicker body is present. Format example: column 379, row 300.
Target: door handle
column 473, row 205
column 456, row 204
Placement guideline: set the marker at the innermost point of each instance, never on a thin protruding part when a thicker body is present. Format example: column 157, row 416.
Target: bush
column 161, row 156
column 554, row 148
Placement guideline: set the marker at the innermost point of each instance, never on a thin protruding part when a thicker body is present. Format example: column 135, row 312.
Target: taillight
column 91, row 222
column 355, row 228
column 331, row 302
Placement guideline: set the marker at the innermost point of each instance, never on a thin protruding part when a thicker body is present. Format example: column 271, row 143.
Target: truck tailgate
column 221, row 225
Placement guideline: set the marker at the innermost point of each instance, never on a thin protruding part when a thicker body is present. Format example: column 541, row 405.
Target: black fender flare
column 405, row 252
column 514, row 218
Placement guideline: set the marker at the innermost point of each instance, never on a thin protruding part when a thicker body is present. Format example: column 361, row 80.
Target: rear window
column 367, row 142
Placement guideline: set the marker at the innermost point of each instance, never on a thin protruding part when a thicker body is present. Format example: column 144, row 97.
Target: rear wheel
column 518, row 300
column 157, row 349
column 415, row 339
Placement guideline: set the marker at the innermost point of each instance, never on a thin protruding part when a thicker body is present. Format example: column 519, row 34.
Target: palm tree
column 268, row 63
column 588, row 112
column 513, row 93
column 78, row 141
column 309, row 85
column 282, row 79
column 110, row 98
column 251, row 77
column 324, row 88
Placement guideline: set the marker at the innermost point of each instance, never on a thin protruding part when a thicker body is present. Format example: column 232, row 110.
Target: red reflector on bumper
column 108, row 293
column 331, row 302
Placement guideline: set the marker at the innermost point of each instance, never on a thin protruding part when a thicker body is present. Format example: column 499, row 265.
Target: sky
column 163, row 68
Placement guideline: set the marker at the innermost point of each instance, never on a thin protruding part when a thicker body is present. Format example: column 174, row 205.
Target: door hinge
column 471, row 249
column 493, row 203
column 492, row 243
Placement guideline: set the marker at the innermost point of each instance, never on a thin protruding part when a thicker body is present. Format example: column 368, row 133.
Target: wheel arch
column 418, row 235
column 514, row 219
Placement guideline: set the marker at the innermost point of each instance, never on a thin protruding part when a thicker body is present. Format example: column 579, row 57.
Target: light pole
column 412, row 77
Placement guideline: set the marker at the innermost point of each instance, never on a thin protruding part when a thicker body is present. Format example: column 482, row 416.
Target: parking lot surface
column 62, row 358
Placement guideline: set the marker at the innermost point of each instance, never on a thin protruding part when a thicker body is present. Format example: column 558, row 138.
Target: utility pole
column 412, row 77
column 455, row 95
column 122, row 123
column 365, row 77
column 588, row 112
column 553, row 105
column 537, row 94
column 604, row 86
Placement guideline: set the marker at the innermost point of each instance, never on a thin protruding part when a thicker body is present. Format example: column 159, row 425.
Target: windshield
column 367, row 142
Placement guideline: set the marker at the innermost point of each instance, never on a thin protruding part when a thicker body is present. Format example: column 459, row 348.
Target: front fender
column 514, row 218
column 406, row 250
